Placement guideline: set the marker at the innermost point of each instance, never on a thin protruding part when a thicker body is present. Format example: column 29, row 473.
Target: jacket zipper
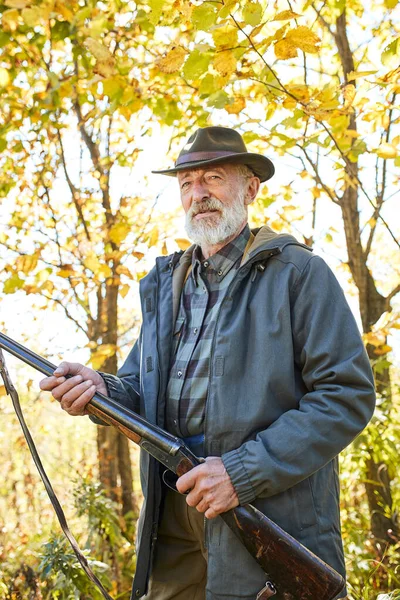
column 230, row 289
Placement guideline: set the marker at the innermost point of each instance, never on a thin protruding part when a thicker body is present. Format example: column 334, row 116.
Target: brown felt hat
column 216, row 145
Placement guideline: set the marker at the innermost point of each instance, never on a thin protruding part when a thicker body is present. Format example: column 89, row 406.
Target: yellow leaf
column 386, row 150
column 99, row 51
column 66, row 271
column 183, row 243
column 64, row 11
column 98, row 358
column 284, row 50
column 349, row 93
column 357, row 74
column 352, row 133
column 3, row 390
column 225, row 63
column 124, row 289
column 32, row 16
column 4, row 77
column 138, row 255
column 9, row 19
column 302, row 92
column 225, row 37
column 257, row 30
column 118, row 232
column 17, row 3
column 105, row 62
column 375, row 339
column 316, row 192
column 26, row 263
column 123, row 270
column 303, row 38
column 285, row 15
column 173, row 61
column 383, row 350
column 153, row 237
column 236, row 107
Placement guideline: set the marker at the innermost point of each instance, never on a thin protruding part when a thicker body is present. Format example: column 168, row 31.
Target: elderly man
column 249, row 351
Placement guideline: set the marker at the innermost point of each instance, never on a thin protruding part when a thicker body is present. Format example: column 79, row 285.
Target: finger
column 74, row 394
column 202, row 506
column 211, row 513
column 188, row 480
column 78, row 407
column 48, row 383
column 60, row 390
column 68, row 368
column 194, row 497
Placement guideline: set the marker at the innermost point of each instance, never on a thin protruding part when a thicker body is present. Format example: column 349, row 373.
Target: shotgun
column 293, row 571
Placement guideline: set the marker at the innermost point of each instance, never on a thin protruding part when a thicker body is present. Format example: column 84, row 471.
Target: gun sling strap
column 10, row 389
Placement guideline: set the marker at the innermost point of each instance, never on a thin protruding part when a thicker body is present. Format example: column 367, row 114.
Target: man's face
column 214, row 202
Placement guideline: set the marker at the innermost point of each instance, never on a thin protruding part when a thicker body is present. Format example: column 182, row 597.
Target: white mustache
column 205, row 206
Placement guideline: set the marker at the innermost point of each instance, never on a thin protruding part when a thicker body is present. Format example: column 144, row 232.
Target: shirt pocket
column 178, row 333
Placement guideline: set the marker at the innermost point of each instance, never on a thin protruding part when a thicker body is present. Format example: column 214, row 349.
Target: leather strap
column 10, row 389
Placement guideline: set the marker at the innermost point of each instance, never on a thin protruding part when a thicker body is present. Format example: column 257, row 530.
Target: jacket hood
column 262, row 238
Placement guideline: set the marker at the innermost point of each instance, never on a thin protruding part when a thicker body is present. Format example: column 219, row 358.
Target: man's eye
column 184, row 184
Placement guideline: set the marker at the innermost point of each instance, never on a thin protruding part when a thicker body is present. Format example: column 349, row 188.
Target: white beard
column 210, row 231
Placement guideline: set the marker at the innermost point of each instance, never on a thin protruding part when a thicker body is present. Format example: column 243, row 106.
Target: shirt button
column 179, row 374
column 206, row 263
column 175, row 422
column 220, row 272
column 195, row 330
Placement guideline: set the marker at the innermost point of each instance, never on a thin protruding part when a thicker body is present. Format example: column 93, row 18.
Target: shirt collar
column 220, row 263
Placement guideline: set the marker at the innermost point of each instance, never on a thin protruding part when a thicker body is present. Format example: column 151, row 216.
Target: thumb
column 68, row 368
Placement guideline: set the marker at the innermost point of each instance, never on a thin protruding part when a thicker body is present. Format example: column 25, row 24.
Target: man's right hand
column 76, row 391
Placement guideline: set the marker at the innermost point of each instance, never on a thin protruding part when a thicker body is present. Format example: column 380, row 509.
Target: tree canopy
column 88, row 88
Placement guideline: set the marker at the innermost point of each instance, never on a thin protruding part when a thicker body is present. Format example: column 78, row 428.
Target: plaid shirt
column 201, row 297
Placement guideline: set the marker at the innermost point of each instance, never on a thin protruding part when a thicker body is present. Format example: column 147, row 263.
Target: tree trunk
column 113, row 449
column 372, row 305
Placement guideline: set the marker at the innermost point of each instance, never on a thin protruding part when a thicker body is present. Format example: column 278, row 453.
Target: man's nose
column 200, row 191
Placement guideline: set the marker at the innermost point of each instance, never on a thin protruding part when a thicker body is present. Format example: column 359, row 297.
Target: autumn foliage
column 92, row 94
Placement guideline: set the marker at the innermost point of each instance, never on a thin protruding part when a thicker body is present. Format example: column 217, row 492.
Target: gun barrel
column 107, row 406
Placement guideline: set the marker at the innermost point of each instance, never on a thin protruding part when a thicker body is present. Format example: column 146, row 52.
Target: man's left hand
column 211, row 489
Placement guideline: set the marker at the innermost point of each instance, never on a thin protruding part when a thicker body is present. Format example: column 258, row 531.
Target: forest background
column 93, row 96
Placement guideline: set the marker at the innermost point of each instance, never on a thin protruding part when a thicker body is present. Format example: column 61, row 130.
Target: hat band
column 195, row 156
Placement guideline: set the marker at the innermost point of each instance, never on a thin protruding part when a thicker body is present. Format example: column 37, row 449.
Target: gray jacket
column 290, row 386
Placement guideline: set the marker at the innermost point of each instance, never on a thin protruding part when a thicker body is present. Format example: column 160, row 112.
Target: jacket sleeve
column 339, row 398
column 125, row 386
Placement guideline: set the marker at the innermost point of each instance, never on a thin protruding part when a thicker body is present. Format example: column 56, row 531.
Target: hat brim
column 261, row 166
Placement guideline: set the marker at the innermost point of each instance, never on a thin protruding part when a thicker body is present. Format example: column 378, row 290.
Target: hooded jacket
column 290, row 386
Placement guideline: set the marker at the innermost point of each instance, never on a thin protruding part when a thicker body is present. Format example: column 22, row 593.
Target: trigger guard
column 170, row 479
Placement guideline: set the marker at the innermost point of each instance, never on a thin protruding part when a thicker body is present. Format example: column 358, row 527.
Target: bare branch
column 74, row 191
column 393, row 293
column 317, row 176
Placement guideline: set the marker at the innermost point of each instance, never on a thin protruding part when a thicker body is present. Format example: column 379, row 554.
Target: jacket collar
column 261, row 239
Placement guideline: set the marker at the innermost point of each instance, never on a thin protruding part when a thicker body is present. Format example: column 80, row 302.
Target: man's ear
column 253, row 185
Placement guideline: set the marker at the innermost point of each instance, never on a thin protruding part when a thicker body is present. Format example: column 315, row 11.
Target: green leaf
column 252, row 13
column 218, row 99
column 60, row 30
column 196, row 65
column 4, row 38
column 209, row 85
column 3, row 144
column 113, row 87
column 228, row 8
column 204, row 16
column 156, row 10
column 12, row 284
column 390, row 53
